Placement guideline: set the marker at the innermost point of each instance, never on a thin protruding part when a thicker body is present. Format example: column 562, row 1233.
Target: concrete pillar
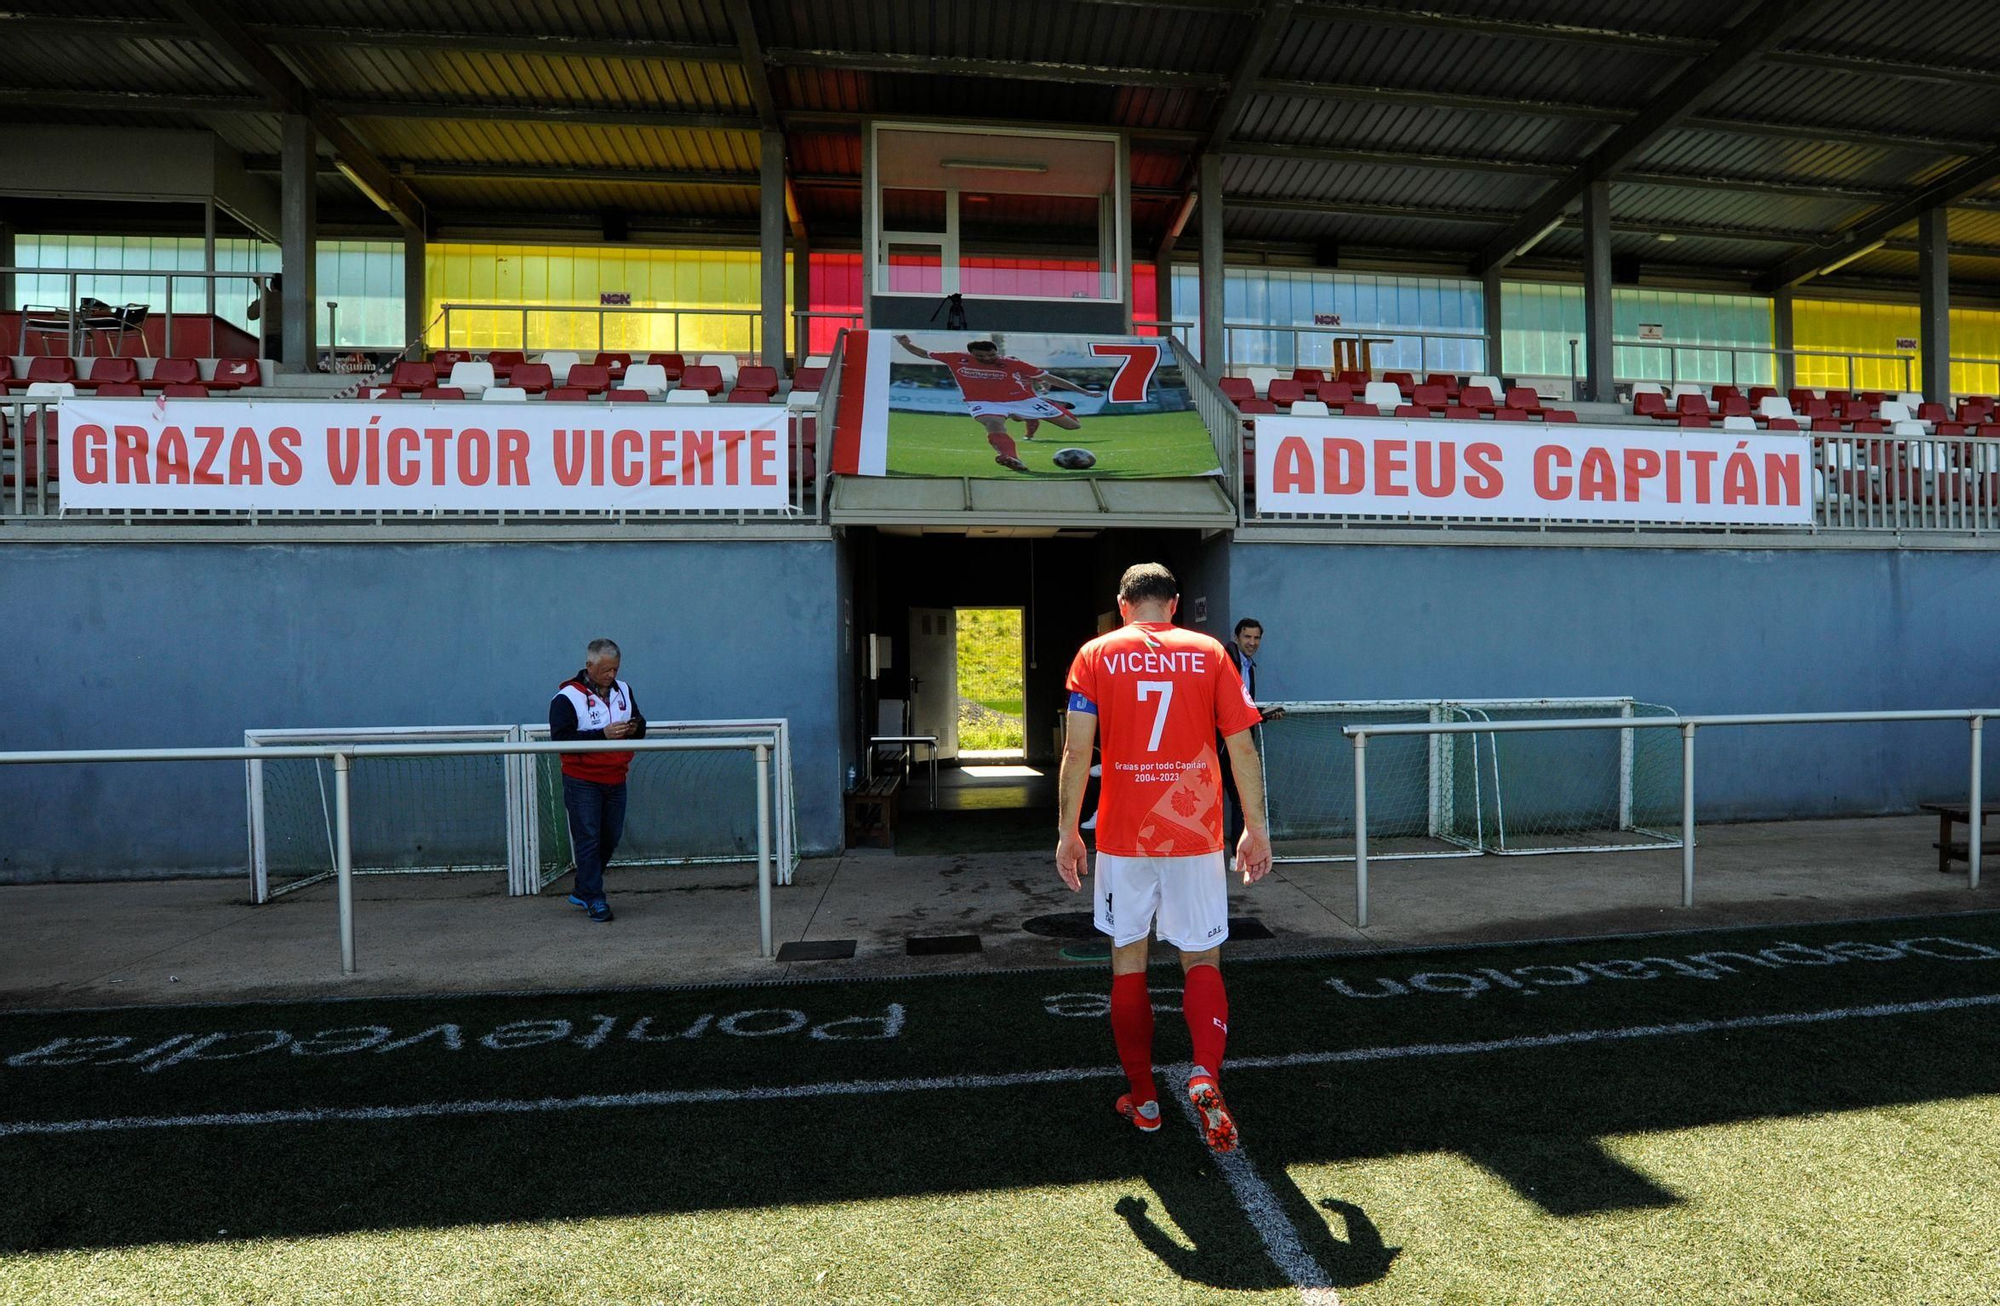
column 1597, row 350
column 207, row 255
column 7, row 303
column 298, row 227
column 801, row 298
column 416, row 292
column 1934, row 303
column 1781, row 336
column 1163, row 289
column 1213, row 351
column 771, row 247
column 1490, row 290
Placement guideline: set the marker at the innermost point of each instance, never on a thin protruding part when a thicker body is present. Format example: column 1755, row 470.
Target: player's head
column 1148, row 592
column 983, row 350
column 600, row 662
column 1249, row 634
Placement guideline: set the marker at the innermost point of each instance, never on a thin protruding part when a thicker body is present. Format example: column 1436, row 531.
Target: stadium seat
column 1260, row 377
column 1405, row 383
column 1933, row 413
column 1491, row 384
column 754, row 385
column 1431, row 397
column 1722, row 392
column 1558, row 415
column 412, row 377
column 1681, row 388
column 1284, row 392
column 648, row 378
column 1510, row 414
column 173, row 371
column 535, row 378
column 1783, row 424
column 723, row 363
column 236, row 374
column 1477, row 397
column 1870, row 426
column 472, row 376
column 1383, row 394
column 1459, row 412
column 1873, row 398
column 191, row 390
column 1799, row 397
column 614, row 363
column 119, row 390
column 1759, row 393
column 1820, row 425
column 809, row 379
column 1651, row 403
column 1814, row 409
column 51, row 389
column 688, row 394
column 1353, row 377
column 55, row 370
column 1311, row 408
column 443, row 360
column 627, row 395
column 37, row 452
column 1257, row 407
column 1336, row 393
column 559, row 363
column 568, row 394
column 1694, row 421
column 802, row 399
column 7, row 377
column 111, row 371
column 591, row 378
column 1893, row 410
column 1412, row 410
column 704, row 377
column 1838, row 396
column 1237, row 388
column 1774, row 407
column 1312, row 378
column 1692, row 403
column 498, row 393
column 504, row 362
column 441, row 392
column 1742, row 422
column 1361, row 410
column 673, row 364
column 1523, row 399
column 819, row 360
column 1446, row 382
column 1910, row 399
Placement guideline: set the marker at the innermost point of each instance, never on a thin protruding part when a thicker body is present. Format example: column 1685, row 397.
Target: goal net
column 405, row 814
column 1450, row 795
column 683, row 808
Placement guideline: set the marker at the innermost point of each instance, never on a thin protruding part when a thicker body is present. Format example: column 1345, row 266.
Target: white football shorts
column 1022, row 408
column 1188, row 897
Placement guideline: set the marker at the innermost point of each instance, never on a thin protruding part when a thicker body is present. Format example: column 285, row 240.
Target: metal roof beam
column 1972, row 175
column 751, row 50
column 1562, row 33
column 1256, row 52
column 1018, row 70
column 560, row 114
column 254, row 62
column 1765, row 25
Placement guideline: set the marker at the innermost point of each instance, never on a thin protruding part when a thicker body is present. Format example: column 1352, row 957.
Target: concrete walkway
column 67, row 945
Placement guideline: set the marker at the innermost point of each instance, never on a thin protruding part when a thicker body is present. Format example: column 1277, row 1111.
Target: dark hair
column 982, row 344
column 1247, row 623
column 1147, row 582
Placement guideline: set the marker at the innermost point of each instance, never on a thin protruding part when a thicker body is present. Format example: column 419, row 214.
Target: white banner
column 1428, row 468
column 304, row 454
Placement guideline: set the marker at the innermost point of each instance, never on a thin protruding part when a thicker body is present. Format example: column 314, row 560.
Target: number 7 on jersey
column 1165, row 689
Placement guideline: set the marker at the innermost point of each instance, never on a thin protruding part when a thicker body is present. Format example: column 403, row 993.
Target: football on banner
column 1075, row 460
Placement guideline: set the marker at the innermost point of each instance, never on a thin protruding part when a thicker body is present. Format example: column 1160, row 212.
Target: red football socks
column 1003, row 444
column 1132, row 1030
column 1206, row 1005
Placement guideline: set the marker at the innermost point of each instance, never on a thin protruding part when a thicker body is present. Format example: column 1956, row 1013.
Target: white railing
column 1224, row 421
column 1674, row 349
column 343, row 757
column 1362, row 339
column 1686, row 725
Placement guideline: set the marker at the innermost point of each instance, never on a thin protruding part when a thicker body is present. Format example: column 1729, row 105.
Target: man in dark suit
column 1242, row 651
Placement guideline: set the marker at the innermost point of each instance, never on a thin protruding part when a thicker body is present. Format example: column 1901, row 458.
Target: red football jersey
column 1161, row 695
column 1004, row 380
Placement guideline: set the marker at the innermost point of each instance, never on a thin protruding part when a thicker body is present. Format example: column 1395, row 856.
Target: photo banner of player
column 329, row 455
column 1013, row 405
column 1423, row 468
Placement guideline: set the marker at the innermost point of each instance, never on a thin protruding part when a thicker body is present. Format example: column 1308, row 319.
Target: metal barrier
column 752, row 319
column 1687, row 725
column 802, row 321
column 1180, row 331
column 1367, row 334
column 1674, row 349
column 1224, row 422
column 77, row 287
column 344, row 756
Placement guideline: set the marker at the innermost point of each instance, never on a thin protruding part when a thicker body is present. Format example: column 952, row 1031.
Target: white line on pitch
column 1266, row 1215
column 1069, row 1075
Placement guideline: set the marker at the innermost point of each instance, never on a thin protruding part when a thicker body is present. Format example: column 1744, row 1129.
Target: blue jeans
column 596, row 820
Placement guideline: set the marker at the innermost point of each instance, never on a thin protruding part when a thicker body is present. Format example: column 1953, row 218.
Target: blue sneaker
column 600, row 911
column 575, row 901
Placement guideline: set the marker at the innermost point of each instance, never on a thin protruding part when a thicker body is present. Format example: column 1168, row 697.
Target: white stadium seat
column 650, row 377
column 471, row 376
column 1738, row 422
column 819, row 360
column 51, row 390
column 1261, row 378
column 505, row 394
column 687, row 396
column 1385, row 395
column 1688, row 388
column 802, row 399
column 1774, row 408
column 1894, row 410
column 559, row 364
column 1310, row 408
column 1492, row 384
column 1647, row 388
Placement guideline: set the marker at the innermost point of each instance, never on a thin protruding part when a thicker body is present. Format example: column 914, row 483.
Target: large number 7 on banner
column 1134, row 375
column 1165, row 689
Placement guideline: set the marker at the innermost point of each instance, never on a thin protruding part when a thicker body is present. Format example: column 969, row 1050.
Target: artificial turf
column 1147, row 445
column 1421, row 1142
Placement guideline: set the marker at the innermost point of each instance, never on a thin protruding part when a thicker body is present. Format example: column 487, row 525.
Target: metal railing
column 1686, row 725
column 78, row 289
column 1371, row 335
column 31, row 480
column 1674, row 350
column 343, row 758
column 802, row 321
column 751, row 318
column 1184, row 332
column 1224, row 422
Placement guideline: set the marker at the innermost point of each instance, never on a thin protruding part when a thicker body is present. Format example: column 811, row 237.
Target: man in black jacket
column 1242, row 653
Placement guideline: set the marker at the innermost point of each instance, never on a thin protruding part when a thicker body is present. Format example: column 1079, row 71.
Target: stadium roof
column 1750, row 144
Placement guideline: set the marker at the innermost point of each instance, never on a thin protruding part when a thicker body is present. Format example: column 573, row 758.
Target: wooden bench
column 1950, row 814
column 871, row 812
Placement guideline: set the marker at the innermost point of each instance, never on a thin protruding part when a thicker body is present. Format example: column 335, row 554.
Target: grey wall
column 1699, row 630
column 188, row 644
column 910, row 313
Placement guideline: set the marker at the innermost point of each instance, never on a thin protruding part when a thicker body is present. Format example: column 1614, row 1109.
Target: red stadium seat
column 1815, row 409
column 1311, row 378
column 190, row 390
column 1429, row 396
column 628, row 396
column 673, row 364
column 754, row 385
column 236, row 374
column 411, row 377
column 504, row 362
column 809, row 379
column 1285, row 393
column 701, row 376
column 446, row 359
column 173, row 371
column 1695, row 421
column 1827, row 425
column 591, row 378
column 1799, row 396
column 1360, row 410
column 1477, row 398
column 6, row 373
column 1722, row 392
column 1236, row 389
column 1838, row 396
column 1759, row 393
column 1510, row 414
column 1873, row 398
column 1352, row 377
column 1649, row 403
column 38, row 451
column 1950, row 430
column 535, row 378
column 1783, row 424
column 441, row 392
column 1734, row 406
column 56, row 370
column 110, row 371
column 1412, row 410
column 1870, row 426
column 1402, row 381
column 1523, row 399
column 1446, row 381
column 1462, row 413
column 1253, row 406
column 1686, row 406
column 1932, row 413
column 119, row 390
column 615, row 364
column 1558, row 415
column 568, row 394
column 1334, row 393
